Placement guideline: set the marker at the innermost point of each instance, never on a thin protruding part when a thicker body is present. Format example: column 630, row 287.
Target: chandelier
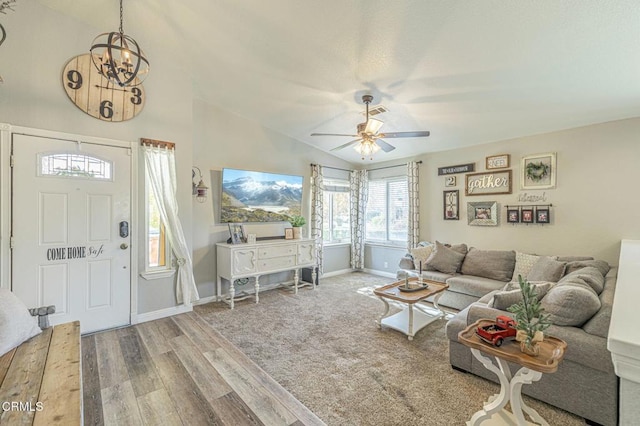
column 119, row 58
column 367, row 147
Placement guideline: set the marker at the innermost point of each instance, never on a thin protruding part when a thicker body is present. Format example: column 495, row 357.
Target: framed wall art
column 543, row 216
column 484, row 213
column 450, row 181
column 488, row 183
column 238, row 235
column 451, row 205
column 526, row 216
column 501, row 161
column 538, row 171
column 513, row 215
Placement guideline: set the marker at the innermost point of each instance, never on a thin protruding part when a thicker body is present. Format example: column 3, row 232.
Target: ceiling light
column 119, row 58
column 367, row 148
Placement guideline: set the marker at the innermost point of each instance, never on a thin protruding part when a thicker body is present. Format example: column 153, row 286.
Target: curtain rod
column 379, row 168
column 156, row 143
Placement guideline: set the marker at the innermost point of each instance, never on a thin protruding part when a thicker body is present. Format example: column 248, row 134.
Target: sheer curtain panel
column 358, row 182
column 161, row 170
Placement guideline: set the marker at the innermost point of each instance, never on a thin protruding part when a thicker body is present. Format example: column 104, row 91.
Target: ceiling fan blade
column 333, row 134
column 418, row 134
column 373, row 126
column 385, row 146
column 346, row 145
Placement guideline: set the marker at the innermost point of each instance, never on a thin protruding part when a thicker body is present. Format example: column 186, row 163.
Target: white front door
column 71, row 206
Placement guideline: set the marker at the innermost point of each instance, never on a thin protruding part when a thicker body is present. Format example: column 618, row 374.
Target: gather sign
column 488, row 183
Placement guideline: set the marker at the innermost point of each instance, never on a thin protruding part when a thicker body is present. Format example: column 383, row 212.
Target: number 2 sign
column 96, row 95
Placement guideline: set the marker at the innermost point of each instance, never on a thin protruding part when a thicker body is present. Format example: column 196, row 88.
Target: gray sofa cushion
column 547, row 269
column 436, row 276
column 599, row 324
column 602, row 266
column 473, row 286
column 591, row 275
column 504, row 299
column 571, row 303
column 445, row 259
column 573, row 258
column 493, row 264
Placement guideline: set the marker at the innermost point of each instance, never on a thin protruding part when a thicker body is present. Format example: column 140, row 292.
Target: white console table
column 263, row 257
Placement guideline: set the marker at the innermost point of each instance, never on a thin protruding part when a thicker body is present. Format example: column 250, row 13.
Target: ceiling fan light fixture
column 372, row 126
column 119, row 58
column 367, row 148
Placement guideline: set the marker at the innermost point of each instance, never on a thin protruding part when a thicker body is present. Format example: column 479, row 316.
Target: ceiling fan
column 369, row 140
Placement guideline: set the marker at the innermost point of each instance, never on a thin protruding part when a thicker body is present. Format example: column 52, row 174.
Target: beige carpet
column 323, row 346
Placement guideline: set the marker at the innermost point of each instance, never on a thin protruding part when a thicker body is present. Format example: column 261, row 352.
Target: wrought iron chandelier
column 119, row 57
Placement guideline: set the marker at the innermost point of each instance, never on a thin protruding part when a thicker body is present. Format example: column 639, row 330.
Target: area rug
column 324, row 347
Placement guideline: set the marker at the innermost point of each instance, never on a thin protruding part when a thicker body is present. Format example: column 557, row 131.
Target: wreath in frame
column 537, row 171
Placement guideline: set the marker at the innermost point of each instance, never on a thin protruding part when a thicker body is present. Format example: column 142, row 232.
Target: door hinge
column 11, row 160
column 11, row 242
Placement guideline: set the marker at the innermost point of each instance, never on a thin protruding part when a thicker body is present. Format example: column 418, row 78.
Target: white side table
column 493, row 413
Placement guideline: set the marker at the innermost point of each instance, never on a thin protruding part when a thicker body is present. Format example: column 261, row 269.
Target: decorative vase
column 532, row 349
column 297, row 232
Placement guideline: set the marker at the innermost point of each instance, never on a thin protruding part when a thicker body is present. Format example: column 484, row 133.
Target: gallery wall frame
column 482, row 213
column 538, row 171
column 488, row 183
column 501, row 161
column 451, row 205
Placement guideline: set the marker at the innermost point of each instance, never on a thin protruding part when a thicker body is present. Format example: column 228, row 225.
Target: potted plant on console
column 297, row 222
column 532, row 320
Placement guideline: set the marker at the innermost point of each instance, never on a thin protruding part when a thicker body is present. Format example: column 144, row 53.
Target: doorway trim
column 6, row 184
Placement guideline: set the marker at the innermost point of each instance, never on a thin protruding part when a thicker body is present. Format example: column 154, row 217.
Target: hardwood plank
column 157, row 408
column 138, row 362
column 190, row 327
column 111, row 366
column 119, row 405
column 91, row 395
column 152, row 338
column 206, row 377
column 234, row 411
column 5, row 362
column 24, row 377
column 61, row 389
column 261, row 402
column 168, row 328
column 191, row 404
column 295, row 406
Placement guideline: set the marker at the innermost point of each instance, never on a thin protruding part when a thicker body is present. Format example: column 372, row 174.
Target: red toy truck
column 495, row 334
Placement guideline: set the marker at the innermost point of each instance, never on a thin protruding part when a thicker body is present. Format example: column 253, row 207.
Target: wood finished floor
column 179, row 371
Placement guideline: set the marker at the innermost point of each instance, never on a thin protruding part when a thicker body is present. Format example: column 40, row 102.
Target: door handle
column 124, row 246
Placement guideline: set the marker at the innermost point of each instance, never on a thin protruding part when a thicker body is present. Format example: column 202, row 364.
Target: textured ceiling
column 470, row 72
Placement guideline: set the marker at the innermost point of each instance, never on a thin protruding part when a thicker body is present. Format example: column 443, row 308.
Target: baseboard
column 380, row 273
column 162, row 313
column 204, row 300
column 335, row 273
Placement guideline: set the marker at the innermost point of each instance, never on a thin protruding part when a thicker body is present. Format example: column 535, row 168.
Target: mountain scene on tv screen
column 260, row 197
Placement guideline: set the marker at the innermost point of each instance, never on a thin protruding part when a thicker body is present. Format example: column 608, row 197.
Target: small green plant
column 529, row 313
column 297, row 221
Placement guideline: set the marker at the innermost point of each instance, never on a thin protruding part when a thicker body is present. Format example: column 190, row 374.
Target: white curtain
column 317, row 209
column 161, row 171
column 358, row 187
column 413, row 225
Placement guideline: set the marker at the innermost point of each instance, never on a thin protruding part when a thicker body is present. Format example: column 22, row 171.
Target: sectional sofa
column 578, row 293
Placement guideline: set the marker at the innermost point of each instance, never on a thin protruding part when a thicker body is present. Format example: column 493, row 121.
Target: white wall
column 223, row 139
column 39, row 43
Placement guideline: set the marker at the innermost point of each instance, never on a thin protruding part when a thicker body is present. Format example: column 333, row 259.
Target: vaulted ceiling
column 471, row 72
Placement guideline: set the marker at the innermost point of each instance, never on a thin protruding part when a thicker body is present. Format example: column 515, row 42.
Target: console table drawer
column 276, row 263
column 276, row 251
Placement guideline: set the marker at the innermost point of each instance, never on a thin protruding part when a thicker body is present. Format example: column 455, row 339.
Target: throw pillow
column 591, row 275
column 493, row 264
column 16, row 324
column 421, row 254
column 524, row 263
column 445, row 259
column 602, row 266
column 502, row 300
column 459, row 248
column 571, row 303
column 547, row 269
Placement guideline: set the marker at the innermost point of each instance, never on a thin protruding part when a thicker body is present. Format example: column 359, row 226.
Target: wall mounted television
column 250, row 196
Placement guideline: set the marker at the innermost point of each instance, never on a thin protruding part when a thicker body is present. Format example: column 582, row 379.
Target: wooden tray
column 552, row 349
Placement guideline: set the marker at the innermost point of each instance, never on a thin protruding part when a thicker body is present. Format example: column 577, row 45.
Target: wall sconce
column 199, row 190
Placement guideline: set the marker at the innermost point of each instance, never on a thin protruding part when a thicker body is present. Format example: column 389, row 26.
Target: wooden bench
column 41, row 380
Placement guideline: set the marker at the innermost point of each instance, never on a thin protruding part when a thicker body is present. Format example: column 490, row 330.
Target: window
column 336, row 226
column 158, row 253
column 387, row 211
column 75, row 166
